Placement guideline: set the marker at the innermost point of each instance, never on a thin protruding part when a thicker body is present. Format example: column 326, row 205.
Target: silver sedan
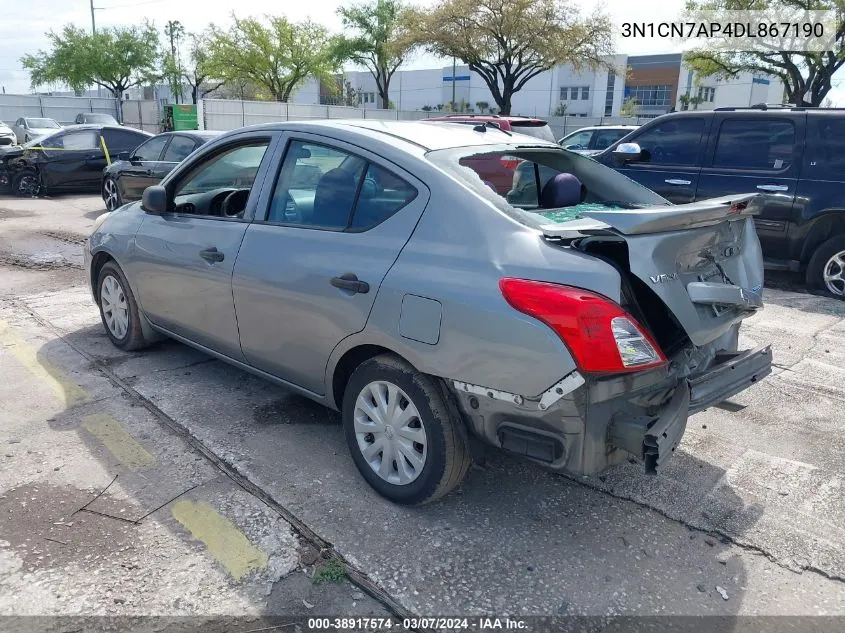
column 402, row 273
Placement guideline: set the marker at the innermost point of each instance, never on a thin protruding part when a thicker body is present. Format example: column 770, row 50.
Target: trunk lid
column 702, row 260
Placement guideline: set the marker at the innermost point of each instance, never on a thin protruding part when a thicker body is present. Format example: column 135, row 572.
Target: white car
column 30, row 128
column 592, row 140
column 7, row 136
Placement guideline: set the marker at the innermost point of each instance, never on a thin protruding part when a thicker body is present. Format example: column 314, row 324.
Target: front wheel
column 826, row 269
column 118, row 309
column 26, row 184
column 111, row 194
column 403, row 437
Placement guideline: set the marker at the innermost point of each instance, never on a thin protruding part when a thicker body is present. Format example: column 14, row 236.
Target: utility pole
column 453, row 83
column 93, row 24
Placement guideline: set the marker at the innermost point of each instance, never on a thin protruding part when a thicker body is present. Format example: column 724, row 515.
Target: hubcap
column 834, row 270
column 390, row 433
column 110, row 190
column 115, row 307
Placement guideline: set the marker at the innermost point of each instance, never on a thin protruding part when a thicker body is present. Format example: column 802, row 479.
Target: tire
column 826, row 270
column 426, row 469
column 26, row 184
column 123, row 326
column 111, row 194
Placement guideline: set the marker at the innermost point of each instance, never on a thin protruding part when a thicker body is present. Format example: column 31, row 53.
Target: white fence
column 144, row 115
column 228, row 114
column 62, row 109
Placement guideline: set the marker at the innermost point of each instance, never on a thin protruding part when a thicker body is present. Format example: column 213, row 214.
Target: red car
column 497, row 171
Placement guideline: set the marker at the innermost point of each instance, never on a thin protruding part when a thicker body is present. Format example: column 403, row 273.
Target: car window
column 233, row 168
column 824, row 156
column 382, row 194
column 81, row 140
column 579, row 140
column 674, row 141
column 122, row 140
column 179, row 148
column 316, row 186
column 606, row 138
column 755, row 144
column 151, row 150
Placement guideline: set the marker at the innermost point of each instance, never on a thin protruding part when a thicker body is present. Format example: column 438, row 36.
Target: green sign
column 184, row 117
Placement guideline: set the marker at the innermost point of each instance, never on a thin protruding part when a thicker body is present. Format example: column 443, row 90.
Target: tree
column 114, row 58
column 806, row 76
column 377, row 43
column 275, row 56
column 508, row 42
column 560, row 110
column 174, row 31
column 197, row 73
column 629, row 108
column 686, row 101
column 427, row 108
column 482, row 106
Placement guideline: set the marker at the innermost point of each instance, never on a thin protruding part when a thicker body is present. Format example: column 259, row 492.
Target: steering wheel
column 234, row 203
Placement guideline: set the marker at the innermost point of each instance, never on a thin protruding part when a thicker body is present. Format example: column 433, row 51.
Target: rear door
column 309, row 269
column 752, row 152
column 177, row 150
column 138, row 174
column 672, row 152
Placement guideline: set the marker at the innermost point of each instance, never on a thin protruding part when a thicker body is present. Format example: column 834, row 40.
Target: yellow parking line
column 117, row 440
column 68, row 391
column 224, row 541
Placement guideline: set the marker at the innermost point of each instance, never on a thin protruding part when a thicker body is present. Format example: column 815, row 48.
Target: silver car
column 375, row 268
column 30, row 128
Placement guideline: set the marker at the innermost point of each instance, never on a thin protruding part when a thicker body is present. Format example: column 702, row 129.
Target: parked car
column 100, row 118
column 7, row 135
column 125, row 180
column 794, row 156
column 592, row 140
column 401, row 289
column 29, row 128
column 72, row 159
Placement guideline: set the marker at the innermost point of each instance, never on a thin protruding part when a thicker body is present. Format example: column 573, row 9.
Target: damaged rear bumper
column 602, row 421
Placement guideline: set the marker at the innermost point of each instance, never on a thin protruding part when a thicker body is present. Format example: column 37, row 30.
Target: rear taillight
column 600, row 334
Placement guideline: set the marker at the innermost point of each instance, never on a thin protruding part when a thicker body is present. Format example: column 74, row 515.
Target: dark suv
column 795, row 156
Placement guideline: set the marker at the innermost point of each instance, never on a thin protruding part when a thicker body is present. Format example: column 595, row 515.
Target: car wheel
column 111, row 194
column 118, row 309
column 404, row 439
column 26, row 184
column 826, row 270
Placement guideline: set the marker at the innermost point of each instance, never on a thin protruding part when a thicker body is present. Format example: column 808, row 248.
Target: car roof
column 422, row 134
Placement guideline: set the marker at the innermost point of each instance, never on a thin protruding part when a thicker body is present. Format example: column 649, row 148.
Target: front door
column 308, row 273
column 183, row 260
column 75, row 160
column 756, row 154
column 138, row 175
column 671, row 157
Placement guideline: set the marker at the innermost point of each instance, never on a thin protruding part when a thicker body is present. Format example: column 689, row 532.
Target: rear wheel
column 403, row 437
column 26, row 183
column 826, row 270
column 111, row 194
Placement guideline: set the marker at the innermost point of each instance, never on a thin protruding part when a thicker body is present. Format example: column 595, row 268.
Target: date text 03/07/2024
column 447, row 624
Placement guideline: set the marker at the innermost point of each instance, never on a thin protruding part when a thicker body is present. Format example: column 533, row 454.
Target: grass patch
column 330, row 571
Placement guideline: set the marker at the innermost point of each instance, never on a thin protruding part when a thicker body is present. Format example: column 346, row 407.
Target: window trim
column 160, row 154
column 699, row 157
column 173, row 137
column 176, row 176
column 340, row 146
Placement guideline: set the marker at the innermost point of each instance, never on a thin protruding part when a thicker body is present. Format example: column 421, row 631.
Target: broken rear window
column 543, row 184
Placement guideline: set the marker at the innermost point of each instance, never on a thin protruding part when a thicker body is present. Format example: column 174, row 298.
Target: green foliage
column 482, row 106
column 508, row 42
column 629, row 108
column 560, row 110
column 330, row 571
column 806, row 76
column 377, row 40
column 114, row 58
column 197, row 71
column 275, row 55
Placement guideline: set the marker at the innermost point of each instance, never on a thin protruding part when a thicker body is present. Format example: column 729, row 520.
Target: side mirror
column 154, row 200
column 627, row 152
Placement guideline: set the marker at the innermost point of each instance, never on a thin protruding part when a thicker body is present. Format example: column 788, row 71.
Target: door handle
column 677, row 181
column 212, row 254
column 773, row 187
column 349, row 282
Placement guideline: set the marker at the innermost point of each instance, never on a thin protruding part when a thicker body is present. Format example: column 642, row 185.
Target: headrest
column 564, row 190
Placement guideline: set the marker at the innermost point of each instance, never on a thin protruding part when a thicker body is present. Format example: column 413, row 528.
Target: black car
column 125, row 180
column 72, row 159
column 795, row 157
